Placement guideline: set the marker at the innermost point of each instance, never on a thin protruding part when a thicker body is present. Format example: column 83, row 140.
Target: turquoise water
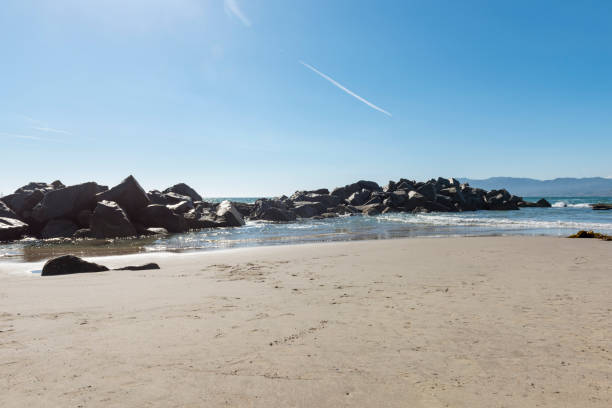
column 567, row 216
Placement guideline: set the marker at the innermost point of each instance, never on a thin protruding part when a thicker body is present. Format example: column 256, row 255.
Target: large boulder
column 277, row 214
column 184, row 189
column 6, row 212
column 181, row 207
column 11, row 228
column 346, row 191
column 228, row 212
column 59, row 228
column 542, row 202
column 128, row 194
column 308, row 209
column 428, row 190
column 414, row 200
column 157, row 197
column 69, row 264
column 110, row 221
column 271, row 210
column 26, row 197
column 66, row 202
column 160, row 216
column 198, row 220
column 326, row 199
column 359, row 197
column 244, row 208
column 602, row 206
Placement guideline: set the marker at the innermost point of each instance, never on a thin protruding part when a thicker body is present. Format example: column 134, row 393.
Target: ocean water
column 567, row 216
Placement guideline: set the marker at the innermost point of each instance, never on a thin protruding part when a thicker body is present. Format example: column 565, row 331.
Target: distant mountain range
column 559, row 187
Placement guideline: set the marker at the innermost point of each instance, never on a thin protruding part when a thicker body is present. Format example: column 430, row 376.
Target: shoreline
column 7, row 263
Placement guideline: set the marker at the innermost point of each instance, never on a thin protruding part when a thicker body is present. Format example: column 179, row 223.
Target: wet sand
column 433, row 322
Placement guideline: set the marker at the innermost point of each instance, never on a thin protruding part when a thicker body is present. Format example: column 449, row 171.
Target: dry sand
column 444, row 322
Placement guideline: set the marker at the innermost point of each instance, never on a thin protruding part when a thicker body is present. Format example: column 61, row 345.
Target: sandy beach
column 438, row 322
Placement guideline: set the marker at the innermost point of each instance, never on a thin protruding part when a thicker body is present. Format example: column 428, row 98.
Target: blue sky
column 236, row 97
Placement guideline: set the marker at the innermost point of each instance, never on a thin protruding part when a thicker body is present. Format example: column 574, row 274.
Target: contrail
column 348, row 91
column 231, row 7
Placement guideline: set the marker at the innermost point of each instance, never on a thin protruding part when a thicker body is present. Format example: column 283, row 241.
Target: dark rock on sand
column 69, row 264
column 110, row 221
column 128, row 194
column 59, row 228
column 591, row 234
column 144, row 267
column 11, row 229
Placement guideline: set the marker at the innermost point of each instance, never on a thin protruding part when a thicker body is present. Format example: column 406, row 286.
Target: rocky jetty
column 602, row 206
column 90, row 210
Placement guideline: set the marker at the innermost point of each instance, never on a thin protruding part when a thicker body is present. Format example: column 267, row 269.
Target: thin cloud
column 348, row 91
column 233, row 9
column 51, row 130
column 28, row 137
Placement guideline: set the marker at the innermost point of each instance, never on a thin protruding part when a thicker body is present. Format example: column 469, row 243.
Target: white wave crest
column 451, row 220
column 563, row 204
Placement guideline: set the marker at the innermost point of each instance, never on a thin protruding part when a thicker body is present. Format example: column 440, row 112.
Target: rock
column 398, row 197
column 306, row 209
column 271, row 210
column 6, row 212
column 244, row 208
column 414, row 200
column 128, row 194
column 156, row 197
column 66, row 202
column 319, row 191
column 375, row 199
column 175, row 198
column 346, row 191
column 502, row 202
column 84, row 218
column 277, row 214
column 57, row 184
column 184, row 189
column 372, row 209
column 388, row 210
column 11, row 229
column 359, row 197
column 325, row 199
column 182, row 207
column 428, row 190
column 543, row 203
column 110, row 221
column 144, row 267
column 227, row 212
column 25, row 198
column 69, row 264
column 157, row 215
column 602, row 206
column 591, row 234
column 59, row 228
